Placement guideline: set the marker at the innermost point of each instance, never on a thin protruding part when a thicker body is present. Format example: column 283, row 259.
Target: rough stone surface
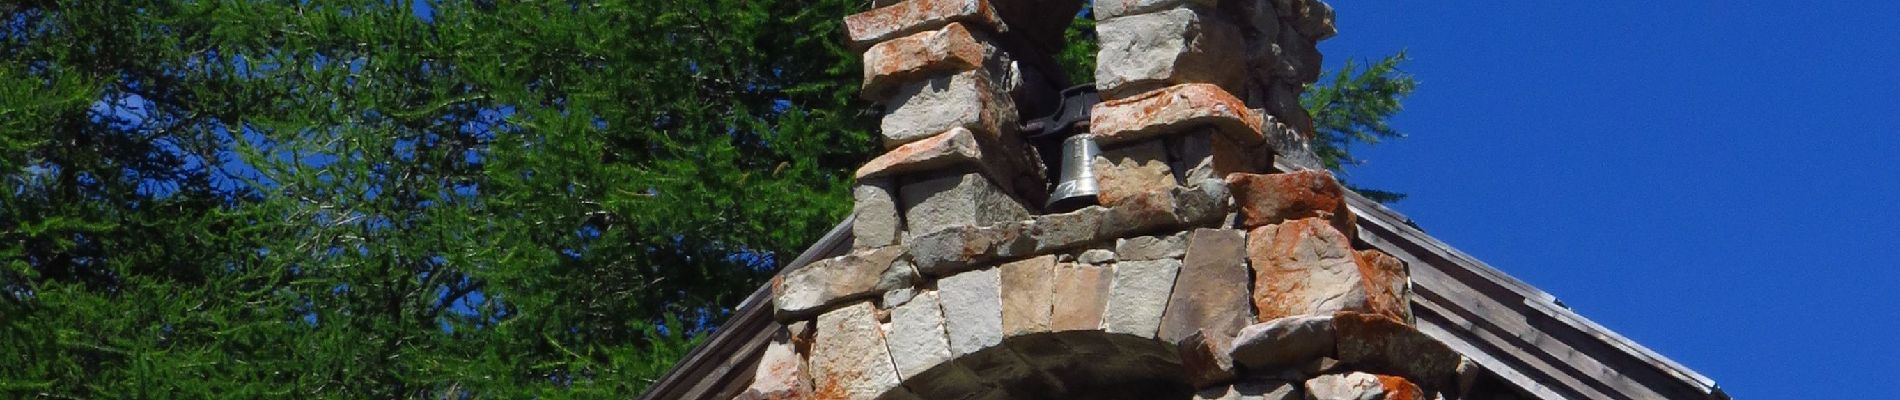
column 1303, row 53
column 1028, row 295
column 1180, row 45
column 897, row 297
column 1138, row 296
column 1289, row 146
column 1106, row 9
column 1124, row 171
column 1139, row 213
column 1204, row 154
column 1388, row 289
column 1191, row 155
column 1304, row 267
column 966, row 199
column 808, row 290
column 956, row 146
column 1172, row 110
column 902, row 274
column 1096, row 256
column 1348, row 386
column 972, row 310
column 912, row 16
column 1313, row 18
column 1081, row 295
column 1002, row 159
column 917, row 340
column 950, row 49
column 849, row 359
column 971, row 99
column 953, row 250
column 1202, row 204
column 961, row 247
column 1255, row 390
column 781, row 373
column 1398, row 388
column 1197, row 205
column 1210, row 295
column 1381, row 344
column 1284, row 343
column 876, row 221
column 1204, row 357
column 1283, row 102
column 1014, row 240
column 1258, row 19
column 1265, row 199
column 1067, row 230
column 1143, row 248
column 1269, row 61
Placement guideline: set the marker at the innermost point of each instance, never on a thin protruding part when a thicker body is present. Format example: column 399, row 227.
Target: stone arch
column 1199, row 274
column 1152, row 316
column 1058, row 365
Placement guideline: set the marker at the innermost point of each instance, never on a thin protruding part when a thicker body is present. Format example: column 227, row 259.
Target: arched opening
column 1060, row 365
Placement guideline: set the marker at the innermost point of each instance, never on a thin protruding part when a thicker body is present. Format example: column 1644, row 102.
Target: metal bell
column 1076, row 189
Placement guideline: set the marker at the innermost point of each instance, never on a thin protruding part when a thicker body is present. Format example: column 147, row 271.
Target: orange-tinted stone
column 1125, row 171
column 1028, row 295
column 1081, row 293
column 910, row 58
column 912, row 16
column 1386, row 284
column 1397, row 388
column 1173, row 110
column 781, row 372
column 1266, row 199
column 958, row 145
column 1304, row 267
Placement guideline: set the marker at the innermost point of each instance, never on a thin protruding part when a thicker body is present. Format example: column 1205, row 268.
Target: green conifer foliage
column 407, row 199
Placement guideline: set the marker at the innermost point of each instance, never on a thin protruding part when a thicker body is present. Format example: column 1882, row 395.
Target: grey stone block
column 916, row 338
column 1180, row 45
column 970, row 99
column 1138, row 295
column 1143, row 248
column 811, row 289
column 1096, row 257
column 966, row 199
column 1211, row 292
column 1107, row 9
column 1067, row 230
column 876, row 222
column 1284, row 343
column 959, row 248
column 972, row 310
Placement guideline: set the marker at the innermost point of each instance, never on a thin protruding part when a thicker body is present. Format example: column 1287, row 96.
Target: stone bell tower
column 1213, row 263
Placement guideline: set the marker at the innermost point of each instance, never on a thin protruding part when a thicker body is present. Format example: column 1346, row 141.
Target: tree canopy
column 373, row 199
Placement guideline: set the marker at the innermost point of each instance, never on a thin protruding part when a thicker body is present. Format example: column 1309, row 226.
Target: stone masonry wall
column 1201, row 274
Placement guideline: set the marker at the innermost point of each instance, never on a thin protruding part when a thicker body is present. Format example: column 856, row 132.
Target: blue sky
column 1714, row 179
